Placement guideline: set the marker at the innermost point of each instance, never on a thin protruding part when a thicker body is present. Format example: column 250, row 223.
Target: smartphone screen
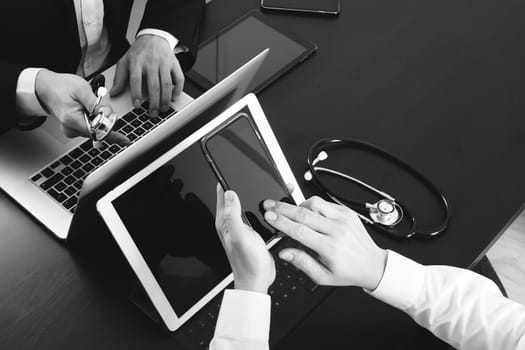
column 242, row 162
column 319, row 6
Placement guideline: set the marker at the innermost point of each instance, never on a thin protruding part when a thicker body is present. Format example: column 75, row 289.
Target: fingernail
column 154, row 113
column 286, row 255
column 228, row 196
column 218, row 186
column 270, row 216
column 136, row 103
column 164, row 109
column 269, row 204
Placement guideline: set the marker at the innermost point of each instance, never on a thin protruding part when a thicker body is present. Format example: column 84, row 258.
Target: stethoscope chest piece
column 385, row 212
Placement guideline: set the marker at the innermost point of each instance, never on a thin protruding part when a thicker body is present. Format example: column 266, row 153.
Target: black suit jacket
column 43, row 33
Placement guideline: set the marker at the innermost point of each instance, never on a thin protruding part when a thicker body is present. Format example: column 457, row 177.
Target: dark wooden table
column 438, row 83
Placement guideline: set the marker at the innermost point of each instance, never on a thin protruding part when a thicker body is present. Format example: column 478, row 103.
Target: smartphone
column 326, row 7
column 241, row 160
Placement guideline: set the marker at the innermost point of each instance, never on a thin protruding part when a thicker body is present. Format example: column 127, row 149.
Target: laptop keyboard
column 62, row 179
column 290, row 285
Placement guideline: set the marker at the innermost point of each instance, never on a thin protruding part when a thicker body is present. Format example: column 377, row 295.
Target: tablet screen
column 233, row 47
column 170, row 215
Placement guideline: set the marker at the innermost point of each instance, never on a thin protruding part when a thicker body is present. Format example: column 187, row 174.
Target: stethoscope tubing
column 330, row 143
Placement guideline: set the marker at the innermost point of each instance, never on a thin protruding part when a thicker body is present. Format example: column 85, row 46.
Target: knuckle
column 167, row 85
column 134, row 56
column 336, row 258
column 347, row 220
column 339, row 230
column 346, row 212
column 316, row 201
column 223, row 227
column 83, row 84
column 298, row 231
column 300, row 261
column 227, row 218
column 154, row 88
column 330, row 250
column 302, row 214
column 135, row 80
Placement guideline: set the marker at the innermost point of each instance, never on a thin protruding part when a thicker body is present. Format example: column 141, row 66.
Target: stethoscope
column 387, row 213
column 101, row 119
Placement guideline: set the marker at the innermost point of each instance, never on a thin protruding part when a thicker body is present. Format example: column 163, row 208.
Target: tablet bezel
column 127, row 245
column 334, row 12
column 311, row 48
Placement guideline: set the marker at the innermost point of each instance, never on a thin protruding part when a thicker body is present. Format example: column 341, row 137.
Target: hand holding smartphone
column 325, row 7
column 240, row 159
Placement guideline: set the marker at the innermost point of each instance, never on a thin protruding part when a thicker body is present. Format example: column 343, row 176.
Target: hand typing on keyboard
column 253, row 266
column 347, row 255
column 150, row 62
column 65, row 97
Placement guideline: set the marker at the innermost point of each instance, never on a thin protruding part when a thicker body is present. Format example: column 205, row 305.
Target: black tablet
column 233, row 46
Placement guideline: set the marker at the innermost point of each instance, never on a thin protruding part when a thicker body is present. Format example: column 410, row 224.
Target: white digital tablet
column 163, row 217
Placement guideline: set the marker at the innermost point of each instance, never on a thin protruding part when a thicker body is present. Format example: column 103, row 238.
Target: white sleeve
column 243, row 322
column 459, row 306
column 172, row 41
column 26, row 101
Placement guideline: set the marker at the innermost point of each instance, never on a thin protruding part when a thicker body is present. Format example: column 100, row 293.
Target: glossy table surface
column 438, row 83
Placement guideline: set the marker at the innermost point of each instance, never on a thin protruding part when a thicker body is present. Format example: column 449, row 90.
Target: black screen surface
column 245, row 167
column 310, row 5
column 231, row 49
column 170, row 216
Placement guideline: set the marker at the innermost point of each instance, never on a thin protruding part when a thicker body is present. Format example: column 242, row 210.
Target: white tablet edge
column 126, row 243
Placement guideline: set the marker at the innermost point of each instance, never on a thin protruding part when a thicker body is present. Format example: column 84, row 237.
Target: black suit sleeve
column 9, row 73
column 180, row 18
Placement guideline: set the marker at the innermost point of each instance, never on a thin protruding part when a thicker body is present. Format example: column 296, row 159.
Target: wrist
column 252, row 286
column 170, row 39
column 155, row 40
column 41, row 87
column 378, row 264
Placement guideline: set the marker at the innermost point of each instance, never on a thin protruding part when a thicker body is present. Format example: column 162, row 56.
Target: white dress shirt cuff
column 172, row 41
column 244, row 315
column 26, row 100
column 401, row 283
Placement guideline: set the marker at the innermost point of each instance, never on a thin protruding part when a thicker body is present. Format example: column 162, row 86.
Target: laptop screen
column 170, row 216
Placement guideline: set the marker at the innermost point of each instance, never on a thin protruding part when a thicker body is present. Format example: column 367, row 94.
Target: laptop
column 162, row 219
column 49, row 174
